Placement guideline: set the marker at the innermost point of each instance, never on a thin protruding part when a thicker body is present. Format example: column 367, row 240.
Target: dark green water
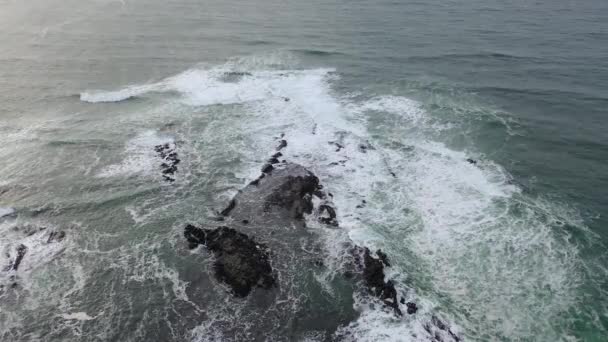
column 510, row 249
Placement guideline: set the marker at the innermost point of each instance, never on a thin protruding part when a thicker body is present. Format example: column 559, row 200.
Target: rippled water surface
column 486, row 184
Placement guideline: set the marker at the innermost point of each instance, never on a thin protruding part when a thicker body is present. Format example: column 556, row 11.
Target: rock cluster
column 282, row 196
column 170, row 160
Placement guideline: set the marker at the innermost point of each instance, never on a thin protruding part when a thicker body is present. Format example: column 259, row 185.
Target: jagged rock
column 240, row 262
column 373, row 274
column 229, row 208
column 383, row 257
column 437, row 328
column 282, row 144
column 411, row 308
column 267, row 168
column 286, row 187
column 14, row 265
column 289, row 187
column 327, row 215
column 170, row 160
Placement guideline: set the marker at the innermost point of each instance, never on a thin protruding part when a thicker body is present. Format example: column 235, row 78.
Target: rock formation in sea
column 261, row 236
column 239, row 262
column 170, row 160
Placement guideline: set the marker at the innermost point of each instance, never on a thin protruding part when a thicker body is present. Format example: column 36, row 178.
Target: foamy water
column 472, row 248
column 493, row 257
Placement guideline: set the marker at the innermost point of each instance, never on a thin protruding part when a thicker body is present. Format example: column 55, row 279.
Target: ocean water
column 513, row 247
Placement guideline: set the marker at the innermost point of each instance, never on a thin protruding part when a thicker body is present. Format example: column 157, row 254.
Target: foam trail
column 119, row 95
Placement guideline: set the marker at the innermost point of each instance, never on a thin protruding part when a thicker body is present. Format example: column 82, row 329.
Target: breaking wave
column 472, row 247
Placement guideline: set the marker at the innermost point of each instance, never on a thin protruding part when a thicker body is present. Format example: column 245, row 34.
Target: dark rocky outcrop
column 327, row 215
column 285, row 187
column 267, row 168
column 295, row 192
column 373, row 274
column 282, row 144
column 440, row 330
column 272, row 208
column 411, row 308
column 240, row 262
column 170, row 160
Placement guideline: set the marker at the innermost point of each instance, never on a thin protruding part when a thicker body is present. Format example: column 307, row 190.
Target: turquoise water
column 512, row 248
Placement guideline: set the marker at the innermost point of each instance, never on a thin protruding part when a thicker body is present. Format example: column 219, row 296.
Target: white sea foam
column 455, row 217
column 140, row 158
column 484, row 244
column 6, row 211
column 38, row 250
column 119, row 95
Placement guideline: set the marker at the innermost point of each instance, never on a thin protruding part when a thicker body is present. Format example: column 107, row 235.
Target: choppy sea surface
column 510, row 247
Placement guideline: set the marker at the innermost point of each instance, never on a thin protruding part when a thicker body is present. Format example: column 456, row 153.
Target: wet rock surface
column 240, row 262
column 20, row 253
column 440, row 331
column 170, row 160
column 286, row 188
column 373, row 274
column 265, row 235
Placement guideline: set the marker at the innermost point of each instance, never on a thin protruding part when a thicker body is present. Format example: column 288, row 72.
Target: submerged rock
column 240, row 262
column 14, row 264
column 28, row 247
column 337, row 144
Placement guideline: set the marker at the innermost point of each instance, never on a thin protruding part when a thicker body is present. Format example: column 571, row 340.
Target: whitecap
column 6, row 211
column 78, row 316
